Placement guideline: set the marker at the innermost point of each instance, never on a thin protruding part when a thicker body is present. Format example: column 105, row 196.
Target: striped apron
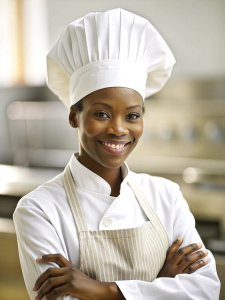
column 125, row 254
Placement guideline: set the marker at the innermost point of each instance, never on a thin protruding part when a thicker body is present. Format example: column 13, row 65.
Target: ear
column 73, row 118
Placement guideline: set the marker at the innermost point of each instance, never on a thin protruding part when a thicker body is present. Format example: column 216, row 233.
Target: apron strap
column 79, row 217
column 71, row 193
column 148, row 210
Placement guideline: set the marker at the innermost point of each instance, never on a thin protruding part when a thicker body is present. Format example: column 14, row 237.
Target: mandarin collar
column 90, row 181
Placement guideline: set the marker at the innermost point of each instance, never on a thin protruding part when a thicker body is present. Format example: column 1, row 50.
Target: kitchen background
column 184, row 138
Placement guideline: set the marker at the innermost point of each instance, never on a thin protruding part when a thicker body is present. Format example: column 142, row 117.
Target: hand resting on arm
column 186, row 260
column 69, row 280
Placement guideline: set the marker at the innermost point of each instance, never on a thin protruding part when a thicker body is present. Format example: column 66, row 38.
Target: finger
column 173, row 249
column 57, row 292
column 183, row 252
column 50, row 285
column 56, row 258
column 50, row 272
column 54, row 293
column 195, row 266
column 192, row 258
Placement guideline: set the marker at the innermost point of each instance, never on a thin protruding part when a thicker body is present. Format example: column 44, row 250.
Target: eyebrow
column 109, row 106
column 134, row 106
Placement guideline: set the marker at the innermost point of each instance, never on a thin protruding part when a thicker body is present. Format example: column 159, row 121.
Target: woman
column 98, row 230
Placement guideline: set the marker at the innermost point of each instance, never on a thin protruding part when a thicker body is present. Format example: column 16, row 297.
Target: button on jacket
column 44, row 224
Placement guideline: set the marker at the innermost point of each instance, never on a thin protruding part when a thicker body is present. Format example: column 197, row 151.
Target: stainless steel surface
column 184, row 128
column 40, row 133
column 18, row 181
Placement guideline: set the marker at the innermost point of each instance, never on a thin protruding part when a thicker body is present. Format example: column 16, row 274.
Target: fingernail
column 205, row 251
column 205, row 261
column 34, row 288
column 199, row 245
column 180, row 238
column 39, row 259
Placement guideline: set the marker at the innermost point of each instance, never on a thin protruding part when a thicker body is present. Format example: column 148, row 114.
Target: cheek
column 91, row 128
column 138, row 130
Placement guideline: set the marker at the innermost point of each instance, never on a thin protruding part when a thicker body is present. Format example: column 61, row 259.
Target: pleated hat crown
column 112, row 49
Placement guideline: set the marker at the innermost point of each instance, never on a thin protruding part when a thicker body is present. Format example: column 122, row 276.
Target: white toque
column 115, row 48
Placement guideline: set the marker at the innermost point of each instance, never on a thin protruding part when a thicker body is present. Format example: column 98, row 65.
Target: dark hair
column 78, row 107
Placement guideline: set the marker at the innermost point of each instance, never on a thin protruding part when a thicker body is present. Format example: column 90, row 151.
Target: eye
column 133, row 116
column 102, row 114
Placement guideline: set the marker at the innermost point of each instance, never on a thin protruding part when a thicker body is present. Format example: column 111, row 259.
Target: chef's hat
column 112, row 49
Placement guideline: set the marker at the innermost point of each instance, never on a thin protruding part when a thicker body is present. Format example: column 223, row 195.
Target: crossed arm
column 185, row 274
column 69, row 280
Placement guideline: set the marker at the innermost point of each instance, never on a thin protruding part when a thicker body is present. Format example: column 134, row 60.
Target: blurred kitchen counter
column 11, row 279
column 18, row 180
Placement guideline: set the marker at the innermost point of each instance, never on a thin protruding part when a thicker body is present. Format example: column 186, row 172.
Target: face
column 109, row 126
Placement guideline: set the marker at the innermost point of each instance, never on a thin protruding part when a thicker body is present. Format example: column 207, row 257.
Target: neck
column 112, row 176
column 114, row 179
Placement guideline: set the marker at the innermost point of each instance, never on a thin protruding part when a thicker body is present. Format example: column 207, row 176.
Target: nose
column 117, row 127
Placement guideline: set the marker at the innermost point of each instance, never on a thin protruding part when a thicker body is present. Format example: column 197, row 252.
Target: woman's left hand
column 186, row 260
column 69, row 280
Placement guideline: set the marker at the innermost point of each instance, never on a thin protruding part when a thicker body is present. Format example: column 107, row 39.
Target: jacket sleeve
column 200, row 285
column 35, row 237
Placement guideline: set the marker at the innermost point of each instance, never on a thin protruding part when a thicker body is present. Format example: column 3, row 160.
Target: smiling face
column 109, row 126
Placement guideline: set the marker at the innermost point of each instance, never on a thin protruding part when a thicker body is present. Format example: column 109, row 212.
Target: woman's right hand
column 66, row 279
column 186, row 260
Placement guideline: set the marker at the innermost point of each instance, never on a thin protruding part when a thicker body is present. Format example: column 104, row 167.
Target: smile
column 113, row 146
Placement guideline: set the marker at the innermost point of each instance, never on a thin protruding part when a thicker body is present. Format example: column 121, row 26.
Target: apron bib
column 125, row 254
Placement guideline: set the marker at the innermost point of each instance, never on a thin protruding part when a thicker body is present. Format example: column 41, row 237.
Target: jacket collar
column 90, row 181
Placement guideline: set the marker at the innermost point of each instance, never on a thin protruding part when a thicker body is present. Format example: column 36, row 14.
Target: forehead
column 114, row 96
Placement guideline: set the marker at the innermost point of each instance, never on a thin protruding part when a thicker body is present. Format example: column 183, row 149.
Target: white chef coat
column 44, row 224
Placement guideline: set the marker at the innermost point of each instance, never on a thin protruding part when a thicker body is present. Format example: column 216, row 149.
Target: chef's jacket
column 44, row 224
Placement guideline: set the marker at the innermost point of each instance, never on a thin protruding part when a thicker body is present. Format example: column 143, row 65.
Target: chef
column 98, row 230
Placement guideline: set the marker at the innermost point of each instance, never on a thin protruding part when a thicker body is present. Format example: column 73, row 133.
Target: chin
column 112, row 164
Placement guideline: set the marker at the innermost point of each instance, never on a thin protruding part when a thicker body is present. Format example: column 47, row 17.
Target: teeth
column 118, row 146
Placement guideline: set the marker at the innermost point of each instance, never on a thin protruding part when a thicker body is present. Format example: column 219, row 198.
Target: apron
column 125, row 254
